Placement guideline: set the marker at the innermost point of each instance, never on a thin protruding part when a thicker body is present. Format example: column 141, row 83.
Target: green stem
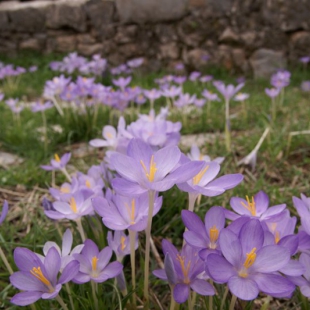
column 94, row 287
column 147, row 245
column 6, row 263
column 45, row 132
column 172, row 301
column 57, row 106
column 132, row 239
column 232, row 302
column 224, row 297
column 61, row 302
column 189, row 300
column 211, row 298
column 33, row 307
column 227, row 127
column 67, row 175
column 70, row 295
column 80, row 228
column 191, row 201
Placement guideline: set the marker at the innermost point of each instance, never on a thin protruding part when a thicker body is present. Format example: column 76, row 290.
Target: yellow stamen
column 277, row 237
column 88, row 184
column 214, row 235
column 94, row 261
column 57, row 158
column 65, row 189
column 185, row 270
column 123, row 244
column 249, row 261
column 201, row 156
column 198, row 177
column 73, row 205
column 250, row 205
column 150, row 174
column 39, row 275
column 273, row 227
column 109, row 135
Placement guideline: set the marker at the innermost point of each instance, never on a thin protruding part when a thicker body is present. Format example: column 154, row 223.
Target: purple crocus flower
column 58, row 163
column 210, row 96
column 256, row 207
column 247, row 266
column 182, row 271
column 77, row 207
column 172, row 92
column 94, row 265
column 33, row 68
column 39, row 106
column 152, row 94
column 199, row 103
column 143, row 169
column 5, row 209
column 280, row 79
column 206, row 78
column 184, row 100
column 272, row 92
column 303, row 281
column 195, row 154
column 135, row 63
column 38, row 279
column 194, row 76
column 305, row 86
column 204, row 183
column 227, row 91
column 304, row 59
column 120, row 212
column 204, row 237
column 1, row 96
column 241, row 97
column 179, row 66
column 120, row 244
column 122, row 82
column 179, row 79
column 66, row 254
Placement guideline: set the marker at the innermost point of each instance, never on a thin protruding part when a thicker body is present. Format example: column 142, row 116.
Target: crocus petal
column 113, row 269
column 274, row 285
column 261, row 202
column 98, row 143
column 53, row 294
column 104, row 258
column 192, row 221
column 166, row 159
column 170, row 270
column 181, row 292
column 52, row 265
column 186, row 171
column 227, row 181
column 24, row 281
column 251, row 236
column 202, row 287
column 50, row 244
column 300, row 207
column 127, row 188
column 290, row 242
column 161, row 274
column 81, row 278
column 25, row 298
column 67, row 240
column 219, row 269
column 293, row 268
column 215, row 217
column 139, row 150
column 238, row 205
column 271, row 258
column 231, row 247
column 69, row 272
column 25, row 259
column 237, row 224
column 303, row 241
column 274, row 213
column 305, row 260
column 243, row 288
column 210, row 174
column 195, row 240
column 127, row 167
column 90, row 249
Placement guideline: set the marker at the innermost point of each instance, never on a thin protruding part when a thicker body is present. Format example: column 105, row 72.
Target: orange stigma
column 198, row 177
column 150, row 174
column 250, row 205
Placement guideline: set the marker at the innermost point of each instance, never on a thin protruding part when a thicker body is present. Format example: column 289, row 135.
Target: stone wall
column 242, row 35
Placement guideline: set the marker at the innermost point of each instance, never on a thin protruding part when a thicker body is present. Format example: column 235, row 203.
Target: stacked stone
column 241, row 35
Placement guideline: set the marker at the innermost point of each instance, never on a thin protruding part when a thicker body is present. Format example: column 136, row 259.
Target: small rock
column 65, row 44
column 146, row 11
column 229, row 36
column 170, row 51
column 32, row 44
column 265, row 62
column 89, row 50
column 195, row 58
column 7, row 159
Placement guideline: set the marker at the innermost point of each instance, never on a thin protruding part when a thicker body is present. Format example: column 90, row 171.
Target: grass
column 280, row 172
